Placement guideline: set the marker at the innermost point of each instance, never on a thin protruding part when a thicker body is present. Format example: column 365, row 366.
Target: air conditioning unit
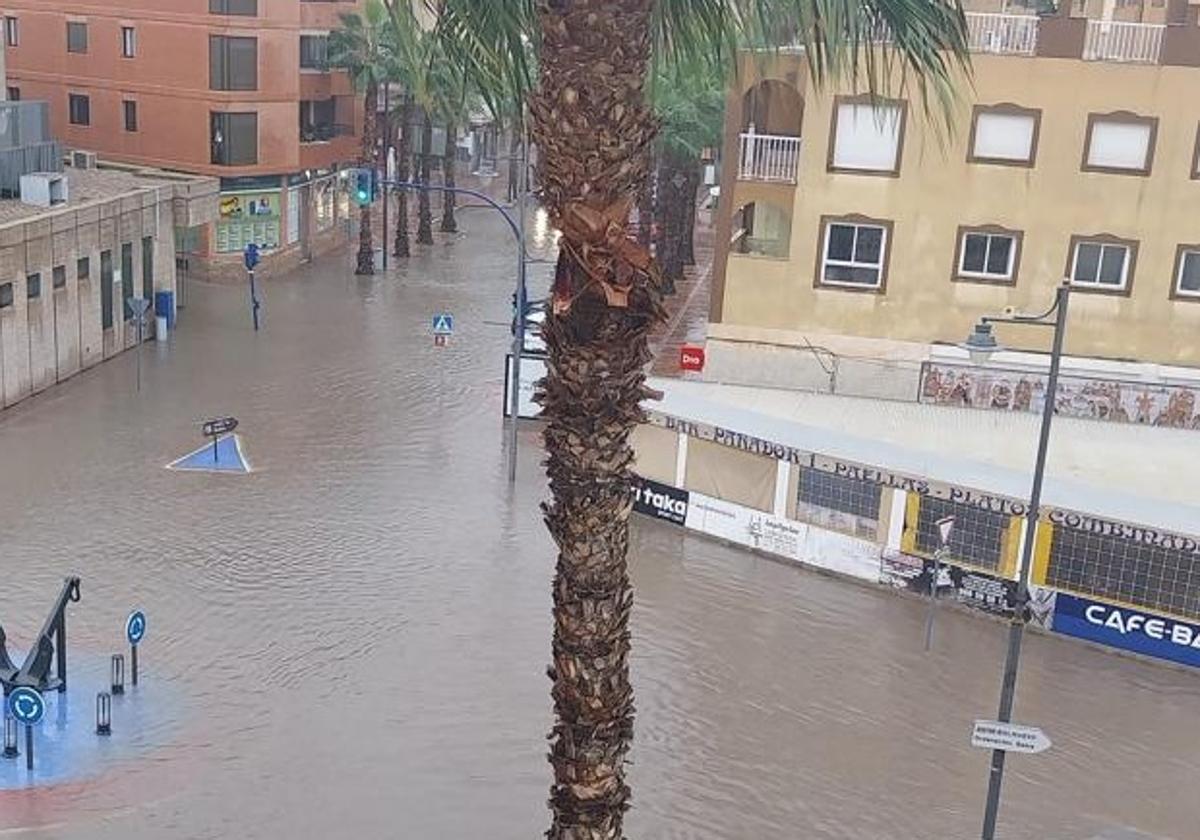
column 44, row 189
column 83, row 160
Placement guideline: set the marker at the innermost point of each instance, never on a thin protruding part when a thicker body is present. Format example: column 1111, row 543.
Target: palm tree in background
column 359, row 47
column 689, row 101
column 594, row 130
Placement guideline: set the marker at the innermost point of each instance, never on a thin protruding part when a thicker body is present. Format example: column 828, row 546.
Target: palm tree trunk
column 400, row 246
column 646, row 206
column 592, row 129
column 688, row 244
column 365, row 262
column 516, row 153
column 424, row 206
column 449, row 161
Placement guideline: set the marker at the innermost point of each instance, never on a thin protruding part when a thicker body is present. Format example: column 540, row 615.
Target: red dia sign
column 691, row 358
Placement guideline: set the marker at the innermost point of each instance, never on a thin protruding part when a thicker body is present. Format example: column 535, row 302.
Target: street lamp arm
column 410, row 185
column 1043, row 320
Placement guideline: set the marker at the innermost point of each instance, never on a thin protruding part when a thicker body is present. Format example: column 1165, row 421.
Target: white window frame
column 880, row 267
column 1104, row 287
column 128, row 41
column 1120, row 119
column 12, row 31
column 871, row 111
column 1007, row 277
column 1188, row 294
column 982, row 112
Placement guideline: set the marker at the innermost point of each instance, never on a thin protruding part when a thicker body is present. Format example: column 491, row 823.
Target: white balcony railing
column 1004, row 34
column 1109, row 40
column 768, row 157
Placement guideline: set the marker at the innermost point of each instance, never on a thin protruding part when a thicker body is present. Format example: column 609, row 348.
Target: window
column 14, row 94
column 83, row 268
column 1121, row 143
column 234, row 139
column 232, row 63
column 148, row 268
column 80, row 108
column 126, row 280
column 317, row 120
column 1187, row 272
column 1103, row 264
column 59, row 276
column 12, row 31
column 233, row 7
column 1004, row 134
column 106, row 289
column 6, row 295
column 77, row 37
column 838, row 502
column 866, row 137
column 33, row 286
column 854, row 253
column 128, row 42
column 978, row 538
column 987, row 254
column 314, row 52
column 130, row 109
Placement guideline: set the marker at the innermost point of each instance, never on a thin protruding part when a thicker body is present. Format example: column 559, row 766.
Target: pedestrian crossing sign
column 443, row 324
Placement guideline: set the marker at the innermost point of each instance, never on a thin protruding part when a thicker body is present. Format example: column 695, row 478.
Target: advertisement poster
column 660, row 501
column 783, row 537
column 1128, row 629
column 975, row 589
column 248, row 217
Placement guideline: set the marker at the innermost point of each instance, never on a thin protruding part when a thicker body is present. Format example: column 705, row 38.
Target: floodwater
column 352, row 640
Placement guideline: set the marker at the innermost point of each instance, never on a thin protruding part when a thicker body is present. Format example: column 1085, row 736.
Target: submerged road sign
column 443, row 324
column 26, row 706
column 1011, row 737
column 135, row 627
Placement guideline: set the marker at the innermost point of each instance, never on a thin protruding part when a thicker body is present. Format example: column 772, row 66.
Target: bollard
column 103, row 713
column 10, row 737
column 118, row 674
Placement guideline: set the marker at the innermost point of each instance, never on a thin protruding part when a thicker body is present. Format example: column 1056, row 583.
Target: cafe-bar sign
column 1128, row 629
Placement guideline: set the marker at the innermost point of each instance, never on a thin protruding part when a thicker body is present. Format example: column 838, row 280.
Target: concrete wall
column 938, row 190
column 50, row 338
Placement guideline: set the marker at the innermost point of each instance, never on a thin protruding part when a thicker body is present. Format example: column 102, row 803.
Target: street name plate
column 1011, row 737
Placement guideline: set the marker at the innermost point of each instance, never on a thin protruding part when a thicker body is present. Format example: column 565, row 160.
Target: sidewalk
column 688, row 307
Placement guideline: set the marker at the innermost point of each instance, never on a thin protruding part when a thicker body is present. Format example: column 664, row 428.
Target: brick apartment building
column 236, row 89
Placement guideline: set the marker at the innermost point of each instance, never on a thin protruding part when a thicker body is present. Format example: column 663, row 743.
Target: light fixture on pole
column 980, row 345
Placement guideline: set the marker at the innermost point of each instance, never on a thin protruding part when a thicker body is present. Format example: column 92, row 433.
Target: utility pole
column 519, row 332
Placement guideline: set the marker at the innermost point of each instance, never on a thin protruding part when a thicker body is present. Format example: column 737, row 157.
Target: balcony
column 768, row 157
column 1134, row 43
column 1002, row 34
column 324, row 132
column 323, row 121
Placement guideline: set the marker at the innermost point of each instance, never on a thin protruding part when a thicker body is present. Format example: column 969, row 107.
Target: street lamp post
column 981, row 344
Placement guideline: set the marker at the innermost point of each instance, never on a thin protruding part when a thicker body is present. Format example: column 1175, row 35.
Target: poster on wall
column 660, row 501
column 967, row 586
column 248, row 217
column 1128, row 629
column 786, row 538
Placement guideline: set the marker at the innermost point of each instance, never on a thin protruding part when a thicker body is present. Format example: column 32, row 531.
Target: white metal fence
column 1109, row 40
column 1005, row 34
column 768, row 157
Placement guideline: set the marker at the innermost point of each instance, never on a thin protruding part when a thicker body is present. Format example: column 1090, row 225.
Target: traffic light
column 364, row 187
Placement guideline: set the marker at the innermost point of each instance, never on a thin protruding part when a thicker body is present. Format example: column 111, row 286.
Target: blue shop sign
column 1128, row 629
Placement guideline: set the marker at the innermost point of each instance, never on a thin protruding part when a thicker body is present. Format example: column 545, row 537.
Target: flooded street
column 352, row 640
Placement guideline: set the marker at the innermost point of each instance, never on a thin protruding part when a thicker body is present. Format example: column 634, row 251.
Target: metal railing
column 324, row 132
column 1109, row 40
column 768, row 157
column 1002, row 34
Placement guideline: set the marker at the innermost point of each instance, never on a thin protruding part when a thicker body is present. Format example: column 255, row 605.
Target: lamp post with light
column 981, row 344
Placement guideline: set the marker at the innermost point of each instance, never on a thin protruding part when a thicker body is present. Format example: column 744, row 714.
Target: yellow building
column 861, row 227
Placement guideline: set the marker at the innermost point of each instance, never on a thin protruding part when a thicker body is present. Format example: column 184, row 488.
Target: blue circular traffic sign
column 135, row 627
column 26, row 706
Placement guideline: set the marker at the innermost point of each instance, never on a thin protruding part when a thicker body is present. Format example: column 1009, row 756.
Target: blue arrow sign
column 443, row 324
column 135, row 627
column 26, row 706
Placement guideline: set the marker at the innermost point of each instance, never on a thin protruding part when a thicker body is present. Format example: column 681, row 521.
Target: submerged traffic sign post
column 26, row 705
column 1010, row 737
column 135, row 631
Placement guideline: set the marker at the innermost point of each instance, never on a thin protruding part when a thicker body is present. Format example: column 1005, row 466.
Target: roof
column 1125, row 472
